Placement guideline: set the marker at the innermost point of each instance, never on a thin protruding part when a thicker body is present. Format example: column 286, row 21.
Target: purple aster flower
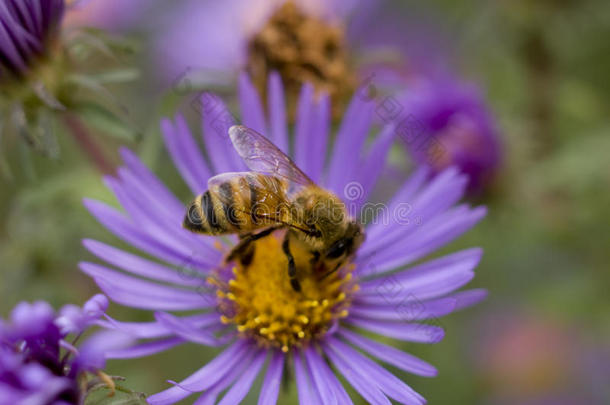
column 38, row 365
column 215, row 35
column 451, row 126
column 27, row 29
column 249, row 310
column 208, row 43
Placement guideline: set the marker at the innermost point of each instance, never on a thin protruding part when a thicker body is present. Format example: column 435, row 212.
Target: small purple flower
column 250, row 310
column 450, row 125
column 27, row 29
column 37, row 363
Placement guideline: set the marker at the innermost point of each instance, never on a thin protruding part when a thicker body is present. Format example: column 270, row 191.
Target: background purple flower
column 27, row 28
column 394, row 296
column 213, row 36
column 450, row 125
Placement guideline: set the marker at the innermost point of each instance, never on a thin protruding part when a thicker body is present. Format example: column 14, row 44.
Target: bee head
column 347, row 244
column 330, row 230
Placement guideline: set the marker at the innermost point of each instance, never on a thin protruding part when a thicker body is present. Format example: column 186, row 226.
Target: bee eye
column 336, row 250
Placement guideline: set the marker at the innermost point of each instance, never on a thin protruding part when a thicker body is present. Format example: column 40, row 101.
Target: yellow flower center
column 260, row 301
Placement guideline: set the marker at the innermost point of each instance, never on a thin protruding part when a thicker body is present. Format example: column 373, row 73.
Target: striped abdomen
column 237, row 203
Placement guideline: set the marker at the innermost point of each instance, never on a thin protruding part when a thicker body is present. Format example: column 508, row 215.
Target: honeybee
column 275, row 195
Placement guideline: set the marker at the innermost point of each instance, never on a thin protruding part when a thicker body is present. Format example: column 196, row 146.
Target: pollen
column 259, row 300
column 303, row 49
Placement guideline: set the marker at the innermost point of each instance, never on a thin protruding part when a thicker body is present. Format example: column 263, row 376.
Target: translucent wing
column 260, row 197
column 262, row 156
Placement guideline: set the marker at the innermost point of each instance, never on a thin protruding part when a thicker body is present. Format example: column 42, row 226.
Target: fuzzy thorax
column 260, row 301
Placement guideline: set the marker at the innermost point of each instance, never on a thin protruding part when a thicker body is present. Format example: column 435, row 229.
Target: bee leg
column 292, row 268
column 315, row 256
column 245, row 258
column 329, row 272
column 244, row 247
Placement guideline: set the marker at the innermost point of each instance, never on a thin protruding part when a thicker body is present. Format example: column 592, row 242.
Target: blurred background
column 543, row 334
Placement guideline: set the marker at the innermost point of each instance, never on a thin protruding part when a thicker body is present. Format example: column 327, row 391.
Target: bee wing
column 262, row 156
column 249, row 192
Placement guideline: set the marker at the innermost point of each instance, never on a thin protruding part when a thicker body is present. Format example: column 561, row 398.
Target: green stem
column 87, row 144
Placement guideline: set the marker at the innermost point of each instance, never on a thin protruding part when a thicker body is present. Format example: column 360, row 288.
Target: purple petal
column 96, row 306
column 134, row 294
column 437, row 195
column 277, row 113
column 441, row 193
column 406, row 312
column 374, row 163
column 159, row 227
column 157, row 329
column 211, row 394
column 150, row 184
column 216, row 122
column 320, row 131
column 390, row 355
column 92, row 353
column 307, row 394
column 411, row 332
column 411, row 305
column 348, row 144
column 469, row 298
column 315, row 364
column 205, row 377
column 335, row 385
column 31, row 319
column 405, row 293
column 413, row 298
column 185, row 154
column 271, row 386
column 24, row 14
column 409, row 216
column 215, row 370
column 10, row 51
column 433, row 235
column 303, row 151
column 405, row 194
column 386, row 381
column 144, row 349
column 73, row 319
column 126, row 230
column 427, row 273
column 250, row 105
column 141, row 286
column 190, row 150
column 142, row 192
column 26, row 44
column 118, row 224
column 140, row 266
column 361, row 383
column 184, row 329
column 241, row 387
